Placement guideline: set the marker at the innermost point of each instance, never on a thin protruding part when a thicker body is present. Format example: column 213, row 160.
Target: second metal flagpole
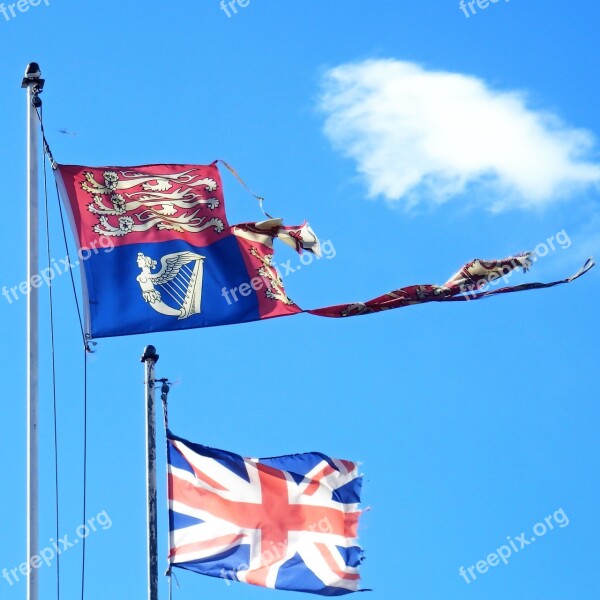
column 34, row 84
column 150, row 358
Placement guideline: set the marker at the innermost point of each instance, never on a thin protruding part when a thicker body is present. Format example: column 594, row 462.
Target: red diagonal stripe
column 225, row 540
column 332, row 564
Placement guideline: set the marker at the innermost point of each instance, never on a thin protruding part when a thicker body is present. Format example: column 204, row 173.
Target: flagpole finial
column 149, row 354
column 33, row 75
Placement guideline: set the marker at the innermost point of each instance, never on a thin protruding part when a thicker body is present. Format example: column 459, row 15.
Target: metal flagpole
column 164, row 397
column 34, row 84
column 150, row 358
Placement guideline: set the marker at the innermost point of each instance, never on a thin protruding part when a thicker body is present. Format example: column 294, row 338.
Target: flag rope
column 53, row 378
column 47, row 151
column 47, row 157
column 73, row 286
column 85, row 403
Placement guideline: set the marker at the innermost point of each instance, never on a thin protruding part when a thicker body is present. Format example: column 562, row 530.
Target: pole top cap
column 33, row 74
column 149, row 354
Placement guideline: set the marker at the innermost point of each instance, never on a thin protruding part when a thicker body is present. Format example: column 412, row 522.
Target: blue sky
column 412, row 137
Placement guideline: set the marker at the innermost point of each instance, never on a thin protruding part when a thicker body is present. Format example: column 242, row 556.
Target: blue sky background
column 473, row 422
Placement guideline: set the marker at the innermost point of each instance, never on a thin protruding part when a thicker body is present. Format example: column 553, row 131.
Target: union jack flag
column 286, row 523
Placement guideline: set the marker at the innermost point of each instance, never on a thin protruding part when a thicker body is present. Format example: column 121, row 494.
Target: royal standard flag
column 158, row 254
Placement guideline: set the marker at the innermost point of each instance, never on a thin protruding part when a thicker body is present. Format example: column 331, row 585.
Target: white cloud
column 419, row 135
